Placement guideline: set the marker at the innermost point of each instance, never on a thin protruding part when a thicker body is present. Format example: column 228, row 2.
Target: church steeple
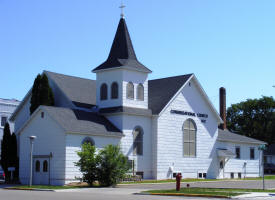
column 122, row 53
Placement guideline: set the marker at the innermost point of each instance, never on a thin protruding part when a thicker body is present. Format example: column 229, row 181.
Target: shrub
column 107, row 167
column 88, row 163
column 113, row 165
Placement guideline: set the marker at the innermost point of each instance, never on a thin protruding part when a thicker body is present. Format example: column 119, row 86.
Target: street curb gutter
column 187, row 195
column 29, row 189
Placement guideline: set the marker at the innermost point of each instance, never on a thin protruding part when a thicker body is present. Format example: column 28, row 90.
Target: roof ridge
column 68, row 75
column 171, row 77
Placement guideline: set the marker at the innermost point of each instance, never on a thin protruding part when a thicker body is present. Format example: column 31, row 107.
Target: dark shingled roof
column 122, row 52
column 82, row 92
column 79, row 121
column 126, row 110
column 270, row 150
column 225, row 135
column 160, row 91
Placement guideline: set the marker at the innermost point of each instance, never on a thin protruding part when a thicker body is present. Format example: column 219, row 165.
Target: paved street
column 97, row 194
column 128, row 192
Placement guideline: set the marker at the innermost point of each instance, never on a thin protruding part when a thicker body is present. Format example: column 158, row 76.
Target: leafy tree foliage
column 14, row 160
column 5, row 149
column 41, row 93
column 107, row 167
column 254, row 118
column 9, row 156
column 113, row 165
column 88, row 163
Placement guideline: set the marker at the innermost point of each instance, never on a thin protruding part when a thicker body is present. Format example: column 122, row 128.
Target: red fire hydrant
column 178, row 179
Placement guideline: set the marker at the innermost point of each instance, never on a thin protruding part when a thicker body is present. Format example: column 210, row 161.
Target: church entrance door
column 41, row 171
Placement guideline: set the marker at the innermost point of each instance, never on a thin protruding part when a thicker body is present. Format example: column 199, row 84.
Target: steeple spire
column 122, row 53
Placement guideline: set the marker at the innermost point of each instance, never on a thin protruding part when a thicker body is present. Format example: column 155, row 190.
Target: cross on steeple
column 122, row 7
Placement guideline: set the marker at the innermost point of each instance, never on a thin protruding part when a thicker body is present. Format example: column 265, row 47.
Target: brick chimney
column 223, row 107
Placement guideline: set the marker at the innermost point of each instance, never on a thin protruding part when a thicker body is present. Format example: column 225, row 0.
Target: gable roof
column 81, row 91
column 227, row 136
column 161, row 91
column 122, row 52
column 79, row 121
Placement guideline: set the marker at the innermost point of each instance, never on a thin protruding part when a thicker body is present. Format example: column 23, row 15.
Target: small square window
column 204, row 175
column 200, row 175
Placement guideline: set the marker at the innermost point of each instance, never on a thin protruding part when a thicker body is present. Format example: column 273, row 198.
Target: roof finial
column 122, row 7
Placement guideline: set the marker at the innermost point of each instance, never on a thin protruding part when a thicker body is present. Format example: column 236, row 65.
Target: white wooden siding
column 50, row 138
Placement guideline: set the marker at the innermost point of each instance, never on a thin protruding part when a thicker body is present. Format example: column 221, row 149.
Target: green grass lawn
column 209, row 191
column 199, row 191
column 270, row 177
column 168, row 181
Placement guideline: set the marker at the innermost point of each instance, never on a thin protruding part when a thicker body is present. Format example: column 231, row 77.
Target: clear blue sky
column 225, row 43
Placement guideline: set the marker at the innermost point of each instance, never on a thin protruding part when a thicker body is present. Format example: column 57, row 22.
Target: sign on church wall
column 202, row 116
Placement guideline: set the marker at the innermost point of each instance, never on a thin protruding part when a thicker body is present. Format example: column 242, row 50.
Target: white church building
column 164, row 126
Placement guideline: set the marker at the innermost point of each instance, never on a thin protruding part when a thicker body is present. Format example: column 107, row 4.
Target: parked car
column 2, row 175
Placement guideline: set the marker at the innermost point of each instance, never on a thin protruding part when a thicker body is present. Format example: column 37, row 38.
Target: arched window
column 103, row 91
column 89, row 141
column 189, row 138
column 114, row 90
column 130, row 90
column 37, row 166
column 45, row 166
column 140, row 92
column 138, row 141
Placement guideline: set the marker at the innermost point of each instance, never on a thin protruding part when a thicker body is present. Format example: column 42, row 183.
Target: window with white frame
column 130, row 90
column 103, row 91
column 140, row 92
column 114, row 90
column 4, row 120
column 189, row 138
column 238, row 152
column 138, row 141
column 252, row 153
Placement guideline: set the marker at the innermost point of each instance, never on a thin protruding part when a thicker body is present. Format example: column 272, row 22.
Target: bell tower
column 122, row 80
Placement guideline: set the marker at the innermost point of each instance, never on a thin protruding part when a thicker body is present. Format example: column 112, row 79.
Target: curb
column 182, row 194
column 29, row 189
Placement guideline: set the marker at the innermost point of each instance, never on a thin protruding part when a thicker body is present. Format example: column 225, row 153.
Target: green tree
column 113, row 165
column 5, row 149
column 254, row 118
column 14, row 160
column 41, row 93
column 88, row 163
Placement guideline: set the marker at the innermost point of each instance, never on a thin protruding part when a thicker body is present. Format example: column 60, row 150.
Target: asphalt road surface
column 127, row 192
